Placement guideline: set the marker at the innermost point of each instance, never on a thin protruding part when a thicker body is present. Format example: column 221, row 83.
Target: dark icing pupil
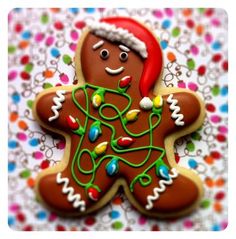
column 104, row 54
column 123, row 56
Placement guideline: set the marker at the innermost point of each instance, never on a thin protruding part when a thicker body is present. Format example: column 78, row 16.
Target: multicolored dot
column 11, row 167
column 114, row 214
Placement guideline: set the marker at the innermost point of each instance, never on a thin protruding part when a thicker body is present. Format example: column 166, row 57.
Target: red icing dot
column 84, row 229
column 209, row 12
column 89, row 221
column 44, row 164
column 219, row 196
column 190, row 23
column 215, row 155
column 225, row 65
column 155, row 228
column 117, row 200
column 60, row 145
column 216, row 57
column 58, row 25
column 188, row 223
column 210, row 107
column 201, row 70
column 18, row 28
column 128, row 229
column 80, row 24
column 60, row 228
column 221, row 138
column 20, row 217
column 24, row 75
column 28, row 228
column 24, row 60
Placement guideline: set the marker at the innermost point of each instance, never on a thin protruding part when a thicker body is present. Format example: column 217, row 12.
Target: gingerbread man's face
column 104, row 63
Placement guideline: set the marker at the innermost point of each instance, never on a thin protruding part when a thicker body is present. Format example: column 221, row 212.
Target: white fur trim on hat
column 113, row 33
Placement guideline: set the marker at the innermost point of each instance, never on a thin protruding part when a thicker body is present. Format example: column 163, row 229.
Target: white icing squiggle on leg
column 160, row 189
column 71, row 196
column 57, row 104
column 176, row 111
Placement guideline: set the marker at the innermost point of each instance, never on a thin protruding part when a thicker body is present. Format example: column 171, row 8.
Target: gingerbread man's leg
column 72, row 195
column 176, row 190
column 164, row 196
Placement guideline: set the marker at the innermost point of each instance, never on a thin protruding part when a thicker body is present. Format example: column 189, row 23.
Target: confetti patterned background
column 41, row 48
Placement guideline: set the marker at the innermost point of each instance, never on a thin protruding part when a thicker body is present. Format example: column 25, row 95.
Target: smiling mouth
column 114, row 71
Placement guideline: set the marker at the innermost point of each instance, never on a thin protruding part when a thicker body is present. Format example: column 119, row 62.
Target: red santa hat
column 136, row 36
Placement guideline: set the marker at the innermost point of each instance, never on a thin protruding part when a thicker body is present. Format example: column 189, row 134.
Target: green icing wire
column 143, row 178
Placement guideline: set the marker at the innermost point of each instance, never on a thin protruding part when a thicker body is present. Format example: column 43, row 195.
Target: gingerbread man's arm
column 180, row 110
column 52, row 108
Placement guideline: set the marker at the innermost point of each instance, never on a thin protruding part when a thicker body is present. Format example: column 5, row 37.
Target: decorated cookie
column 120, row 126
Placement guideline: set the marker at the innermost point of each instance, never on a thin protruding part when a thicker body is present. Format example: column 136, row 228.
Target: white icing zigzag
column 57, row 104
column 71, row 196
column 176, row 111
column 160, row 189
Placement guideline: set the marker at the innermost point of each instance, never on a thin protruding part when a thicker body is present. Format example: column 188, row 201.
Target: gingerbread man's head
column 118, row 47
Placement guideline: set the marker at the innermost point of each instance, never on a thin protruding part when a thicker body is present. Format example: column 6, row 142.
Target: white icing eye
column 104, row 54
column 123, row 56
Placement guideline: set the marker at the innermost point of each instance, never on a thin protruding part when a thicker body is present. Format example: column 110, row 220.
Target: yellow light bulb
column 96, row 101
column 101, row 148
column 158, row 101
column 132, row 115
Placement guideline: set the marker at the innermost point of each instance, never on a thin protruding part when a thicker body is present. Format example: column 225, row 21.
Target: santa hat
column 136, row 36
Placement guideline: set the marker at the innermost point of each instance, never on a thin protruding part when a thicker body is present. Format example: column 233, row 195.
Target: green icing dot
column 117, row 225
column 11, row 49
column 196, row 136
column 176, row 32
column 201, row 10
column 191, row 64
column 215, row 90
column 67, row 59
column 190, row 146
column 30, row 103
column 29, row 67
column 44, row 18
column 47, row 85
column 205, row 203
column 25, row 174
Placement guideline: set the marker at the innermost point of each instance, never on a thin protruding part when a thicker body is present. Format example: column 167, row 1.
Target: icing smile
column 114, row 71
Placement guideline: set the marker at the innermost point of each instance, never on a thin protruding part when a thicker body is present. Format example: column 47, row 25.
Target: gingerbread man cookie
column 120, row 126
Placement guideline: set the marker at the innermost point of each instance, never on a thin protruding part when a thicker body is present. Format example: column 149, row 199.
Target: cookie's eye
column 104, row 54
column 123, row 56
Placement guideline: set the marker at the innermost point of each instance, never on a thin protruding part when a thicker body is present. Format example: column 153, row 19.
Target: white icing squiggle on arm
column 160, row 189
column 176, row 111
column 57, row 104
column 71, row 196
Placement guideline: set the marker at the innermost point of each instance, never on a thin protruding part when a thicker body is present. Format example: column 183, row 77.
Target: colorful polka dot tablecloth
column 42, row 45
